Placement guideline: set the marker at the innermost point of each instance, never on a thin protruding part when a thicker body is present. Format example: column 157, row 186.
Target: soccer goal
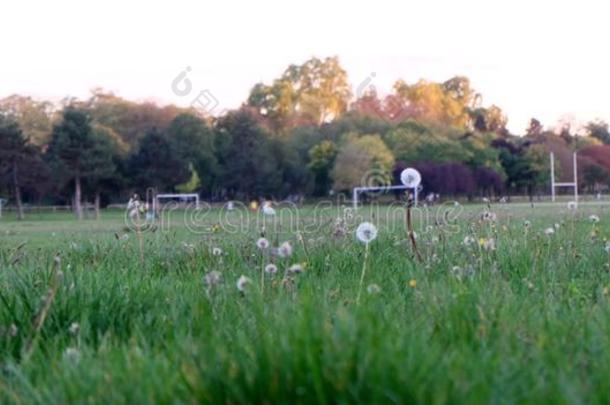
column 571, row 184
column 358, row 190
column 180, row 198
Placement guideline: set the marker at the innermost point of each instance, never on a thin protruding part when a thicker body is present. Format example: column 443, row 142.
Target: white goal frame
column 171, row 196
column 573, row 184
column 357, row 190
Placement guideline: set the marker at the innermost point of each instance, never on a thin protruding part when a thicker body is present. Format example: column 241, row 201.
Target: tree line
column 306, row 133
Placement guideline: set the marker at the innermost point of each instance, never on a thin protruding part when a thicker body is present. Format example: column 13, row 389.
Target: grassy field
column 499, row 310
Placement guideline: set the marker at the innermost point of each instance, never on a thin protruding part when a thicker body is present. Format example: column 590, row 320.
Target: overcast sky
column 532, row 58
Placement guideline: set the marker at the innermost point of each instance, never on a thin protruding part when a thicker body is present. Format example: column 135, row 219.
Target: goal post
column 573, row 184
column 180, row 196
column 357, row 190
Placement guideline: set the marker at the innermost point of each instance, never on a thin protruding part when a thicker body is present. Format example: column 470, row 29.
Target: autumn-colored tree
column 33, row 117
column 312, row 93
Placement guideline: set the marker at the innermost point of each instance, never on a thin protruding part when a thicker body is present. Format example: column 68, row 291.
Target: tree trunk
column 17, row 188
column 77, row 198
column 97, row 205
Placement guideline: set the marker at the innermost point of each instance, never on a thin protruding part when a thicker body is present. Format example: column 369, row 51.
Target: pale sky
column 532, row 58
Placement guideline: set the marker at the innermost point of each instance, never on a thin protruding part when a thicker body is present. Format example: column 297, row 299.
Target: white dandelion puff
column 572, row 205
column 295, row 269
column 268, row 209
column 74, row 328
column 285, row 250
column 366, row 232
column 410, row 177
column 217, row 251
column 468, row 240
column 262, row 243
column 373, row 289
column 594, row 218
column 213, row 278
column 242, row 283
column 549, row 231
column 271, row 269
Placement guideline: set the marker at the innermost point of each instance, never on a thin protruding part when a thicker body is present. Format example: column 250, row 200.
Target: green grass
column 528, row 322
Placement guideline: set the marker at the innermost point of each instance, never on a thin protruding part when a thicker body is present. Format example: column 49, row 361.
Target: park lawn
column 527, row 321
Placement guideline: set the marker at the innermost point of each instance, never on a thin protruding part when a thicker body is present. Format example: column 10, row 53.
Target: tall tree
column 71, row 151
column 34, row 117
column 193, row 140
column 245, row 155
column 312, row 93
column 14, row 152
column 104, row 160
column 157, row 164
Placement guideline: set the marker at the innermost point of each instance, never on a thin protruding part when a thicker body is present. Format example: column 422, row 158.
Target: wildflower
column 268, row 209
column 594, row 218
column 549, row 231
column 271, row 269
column 217, row 251
column 412, row 283
column 487, row 243
column 410, row 177
column 366, row 232
column 373, row 289
column 74, row 328
column 556, row 225
column 213, row 278
column 489, row 216
column 572, row 205
column 285, row 250
column 527, row 224
column 262, row 243
column 295, row 269
column 242, row 283
column 468, row 240
column 339, row 228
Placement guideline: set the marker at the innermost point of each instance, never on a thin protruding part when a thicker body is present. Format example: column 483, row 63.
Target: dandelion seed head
column 594, row 218
column 242, row 283
column 285, row 250
column 295, row 269
column 271, row 269
column 213, row 278
column 373, row 289
column 549, row 231
column 217, row 251
column 366, row 232
column 74, row 328
column 262, row 243
column 410, row 177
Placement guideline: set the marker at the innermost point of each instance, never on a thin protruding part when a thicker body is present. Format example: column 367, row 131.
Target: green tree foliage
column 245, row 155
column 599, row 130
column 321, row 160
column 193, row 141
column 157, row 164
column 20, row 162
column 73, row 152
column 360, row 159
column 413, row 142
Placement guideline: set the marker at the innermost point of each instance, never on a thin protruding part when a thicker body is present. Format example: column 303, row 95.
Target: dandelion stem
column 366, row 256
column 44, row 310
column 411, row 233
